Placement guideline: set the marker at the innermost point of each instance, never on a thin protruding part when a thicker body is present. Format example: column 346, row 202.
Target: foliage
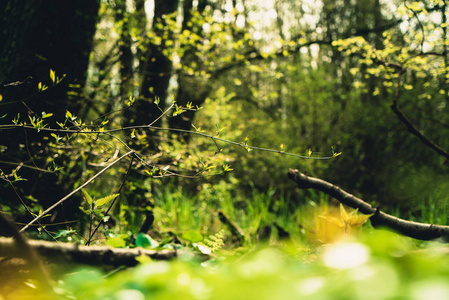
column 212, row 103
column 378, row 266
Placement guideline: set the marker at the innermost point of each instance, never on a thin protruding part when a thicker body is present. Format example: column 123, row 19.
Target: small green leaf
column 145, row 241
column 192, row 236
column 87, row 196
column 57, row 137
column 227, row 168
column 64, row 233
column 337, row 154
column 85, row 211
column 45, row 115
column 117, row 241
column 104, row 200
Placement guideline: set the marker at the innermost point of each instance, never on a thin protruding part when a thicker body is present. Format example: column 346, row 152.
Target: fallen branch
column 421, row 231
column 94, row 255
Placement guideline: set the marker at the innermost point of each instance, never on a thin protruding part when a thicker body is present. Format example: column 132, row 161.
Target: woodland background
column 311, row 78
column 180, row 120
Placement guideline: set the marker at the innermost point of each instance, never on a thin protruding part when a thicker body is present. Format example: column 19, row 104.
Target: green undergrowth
column 291, row 249
column 376, row 265
column 262, row 216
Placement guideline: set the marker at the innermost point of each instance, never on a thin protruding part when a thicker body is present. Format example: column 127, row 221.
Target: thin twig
column 27, row 208
column 76, row 190
column 243, row 145
column 112, row 203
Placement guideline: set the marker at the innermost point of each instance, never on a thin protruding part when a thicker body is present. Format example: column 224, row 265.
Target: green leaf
column 64, row 233
column 57, row 137
column 45, row 115
column 87, row 196
column 85, row 211
column 227, row 168
column 104, row 200
column 117, row 241
column 192, row 236
column 145, row 241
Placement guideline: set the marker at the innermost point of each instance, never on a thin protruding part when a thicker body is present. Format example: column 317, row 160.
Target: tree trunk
column 38, row 36
column 156, row 70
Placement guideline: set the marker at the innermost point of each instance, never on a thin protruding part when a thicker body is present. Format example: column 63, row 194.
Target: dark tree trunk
column 156, row 70
column 38, row 36
column 190, row 88
column 125, row 53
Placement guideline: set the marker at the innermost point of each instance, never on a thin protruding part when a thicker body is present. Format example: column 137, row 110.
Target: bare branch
column 413, row 130
column 75, row 191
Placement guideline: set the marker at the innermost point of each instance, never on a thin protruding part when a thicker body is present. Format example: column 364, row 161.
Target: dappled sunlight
column 345, row 255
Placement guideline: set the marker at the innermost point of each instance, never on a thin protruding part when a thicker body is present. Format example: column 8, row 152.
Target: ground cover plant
column 223, row 149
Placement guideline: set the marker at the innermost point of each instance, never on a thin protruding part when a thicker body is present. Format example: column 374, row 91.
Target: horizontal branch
column 421, row 231
column 94, row 255
column 198, row 133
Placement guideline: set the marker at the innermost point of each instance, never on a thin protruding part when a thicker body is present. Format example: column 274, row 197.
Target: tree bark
column 156, row 70
column 37, row 36
column 421, row 231
column 193, row 89
column 94, row 255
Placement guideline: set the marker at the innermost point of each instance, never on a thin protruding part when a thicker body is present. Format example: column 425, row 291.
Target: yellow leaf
column 358, row 220
column 343, row 213
column 45, row 115
column 52, row 76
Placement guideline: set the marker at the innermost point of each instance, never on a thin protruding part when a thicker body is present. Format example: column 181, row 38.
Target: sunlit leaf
column 145, row 241
column 104, row 200
column 52, row 76
column 87, row 197
column 192, row 236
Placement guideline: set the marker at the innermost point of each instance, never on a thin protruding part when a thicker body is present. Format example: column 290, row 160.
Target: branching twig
column 26, row 207
column 112, row 203
column 76, row 190
column 243, row 145
column 406, row 121
column 413, row 130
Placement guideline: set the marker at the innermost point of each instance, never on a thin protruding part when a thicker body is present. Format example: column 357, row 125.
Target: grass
column 378, row 265
column 372, row 264
column 258, row 214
